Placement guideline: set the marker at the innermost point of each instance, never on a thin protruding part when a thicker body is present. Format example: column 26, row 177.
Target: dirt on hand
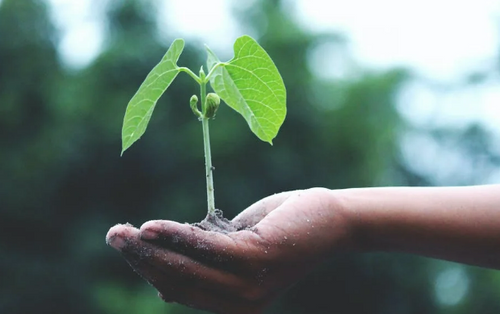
column 217, row 223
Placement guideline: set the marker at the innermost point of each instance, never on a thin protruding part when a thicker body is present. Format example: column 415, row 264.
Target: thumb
column 260, row 209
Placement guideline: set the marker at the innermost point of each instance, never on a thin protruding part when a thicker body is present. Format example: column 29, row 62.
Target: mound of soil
column 217, row 223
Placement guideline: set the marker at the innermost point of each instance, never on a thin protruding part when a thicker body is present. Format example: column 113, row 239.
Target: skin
column 284, row 236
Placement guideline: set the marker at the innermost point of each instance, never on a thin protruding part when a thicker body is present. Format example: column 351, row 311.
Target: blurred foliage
column 63, row 184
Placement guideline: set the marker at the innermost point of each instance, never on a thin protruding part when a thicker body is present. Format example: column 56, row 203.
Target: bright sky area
column 442, row 41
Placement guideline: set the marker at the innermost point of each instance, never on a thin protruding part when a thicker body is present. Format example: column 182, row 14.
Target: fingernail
column 116, row 242
column 149, row 234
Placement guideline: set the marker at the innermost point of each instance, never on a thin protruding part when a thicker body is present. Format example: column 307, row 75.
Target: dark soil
column 217, row 223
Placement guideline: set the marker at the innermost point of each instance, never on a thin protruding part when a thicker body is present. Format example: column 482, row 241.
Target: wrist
column 352, row 203
column 343, row 227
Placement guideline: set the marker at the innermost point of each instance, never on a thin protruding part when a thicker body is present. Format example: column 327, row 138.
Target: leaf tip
column 125, row 145
column 209, row 51
column 270, row 142
column 180, row 40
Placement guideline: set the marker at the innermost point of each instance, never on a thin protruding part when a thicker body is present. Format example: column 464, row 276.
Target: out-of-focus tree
column 34, row 262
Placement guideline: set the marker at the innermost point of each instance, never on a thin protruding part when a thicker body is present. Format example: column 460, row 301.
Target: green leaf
column 141, row 106
column 251, row 84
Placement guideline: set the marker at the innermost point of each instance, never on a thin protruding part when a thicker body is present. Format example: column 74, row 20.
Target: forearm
column 461, row 224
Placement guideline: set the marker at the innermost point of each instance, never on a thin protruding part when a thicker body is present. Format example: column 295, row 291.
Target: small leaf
column 141, row 106
column 251, row 84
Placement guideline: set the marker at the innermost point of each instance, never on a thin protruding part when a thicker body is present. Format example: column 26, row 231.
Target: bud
column 193, row 102
column 202, row 74
column 211, row 105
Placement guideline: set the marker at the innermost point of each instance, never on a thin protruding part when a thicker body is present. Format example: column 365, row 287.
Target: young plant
column 249, row 83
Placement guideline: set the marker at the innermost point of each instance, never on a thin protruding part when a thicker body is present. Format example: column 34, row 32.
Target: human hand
column 280, row 239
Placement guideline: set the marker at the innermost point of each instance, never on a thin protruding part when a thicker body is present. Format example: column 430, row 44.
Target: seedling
column 249, row 83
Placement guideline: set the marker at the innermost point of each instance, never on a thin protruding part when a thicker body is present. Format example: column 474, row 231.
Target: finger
column 118, row 235
column 214, row 248
column 257, row 211
column 175, row 266
column 141, row 254
column 121, row 237
column 179, row 267
column 192, row 293
column 182, row 280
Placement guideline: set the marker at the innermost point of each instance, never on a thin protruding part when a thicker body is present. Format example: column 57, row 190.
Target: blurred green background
column 63, row 183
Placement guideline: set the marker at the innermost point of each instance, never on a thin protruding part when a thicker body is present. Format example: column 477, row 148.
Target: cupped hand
column 280, row 239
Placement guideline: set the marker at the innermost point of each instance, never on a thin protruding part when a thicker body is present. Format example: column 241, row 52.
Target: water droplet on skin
column 265, row 252
column 294, row 244
column 308, row 220
column 285, row 237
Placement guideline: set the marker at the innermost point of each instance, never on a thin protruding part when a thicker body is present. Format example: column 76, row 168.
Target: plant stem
column 208, row 154
column 188, row 71
column 213, row 69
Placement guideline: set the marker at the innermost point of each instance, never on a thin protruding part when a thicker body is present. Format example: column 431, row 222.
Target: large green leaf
column 251, row 84
column 141, row 106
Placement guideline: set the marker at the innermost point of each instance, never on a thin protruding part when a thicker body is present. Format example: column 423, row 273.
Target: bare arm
column 460, row 224
column 285, row 235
